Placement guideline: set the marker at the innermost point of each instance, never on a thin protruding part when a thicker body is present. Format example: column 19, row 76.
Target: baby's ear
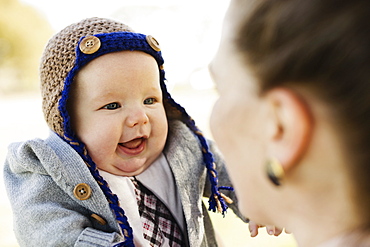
column 291, row 126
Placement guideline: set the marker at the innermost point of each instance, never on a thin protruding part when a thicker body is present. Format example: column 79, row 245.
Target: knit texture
column 59, row 58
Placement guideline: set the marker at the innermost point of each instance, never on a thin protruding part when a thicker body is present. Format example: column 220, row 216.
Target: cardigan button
column 82, row 191
column 99, row 219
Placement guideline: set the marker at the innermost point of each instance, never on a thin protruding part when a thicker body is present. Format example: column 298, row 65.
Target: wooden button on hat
column 90, row 44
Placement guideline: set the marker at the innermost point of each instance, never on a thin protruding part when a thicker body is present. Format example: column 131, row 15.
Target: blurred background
column 188, row 32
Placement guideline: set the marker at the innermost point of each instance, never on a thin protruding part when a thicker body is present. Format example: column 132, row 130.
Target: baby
column 124, row 164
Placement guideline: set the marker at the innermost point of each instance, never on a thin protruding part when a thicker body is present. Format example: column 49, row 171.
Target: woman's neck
column 356, row 237
column 328, row 227
column 323, row 216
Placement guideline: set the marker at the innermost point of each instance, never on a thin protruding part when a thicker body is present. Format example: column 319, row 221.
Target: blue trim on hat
column 120, row 41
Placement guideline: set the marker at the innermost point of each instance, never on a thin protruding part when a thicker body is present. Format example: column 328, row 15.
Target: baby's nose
column 137, row 117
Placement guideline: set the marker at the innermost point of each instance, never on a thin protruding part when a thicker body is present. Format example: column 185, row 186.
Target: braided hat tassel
column 111, row 197
column 217, row 199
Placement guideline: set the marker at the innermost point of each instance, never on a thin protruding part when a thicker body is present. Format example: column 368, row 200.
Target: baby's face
column 117, row 111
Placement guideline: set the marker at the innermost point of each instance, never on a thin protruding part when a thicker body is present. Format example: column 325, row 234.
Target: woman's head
column 298, row 68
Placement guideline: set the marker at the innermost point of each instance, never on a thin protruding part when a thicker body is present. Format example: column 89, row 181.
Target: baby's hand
column 272, row 230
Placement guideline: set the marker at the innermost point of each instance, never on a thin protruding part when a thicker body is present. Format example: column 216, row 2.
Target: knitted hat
column 72, row 48
column 58, row 60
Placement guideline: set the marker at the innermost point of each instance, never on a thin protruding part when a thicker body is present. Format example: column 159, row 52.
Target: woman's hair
column 323, row 46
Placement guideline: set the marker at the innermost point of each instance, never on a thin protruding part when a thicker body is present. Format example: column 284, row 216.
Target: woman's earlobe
column 274, row 171
column 293, row 125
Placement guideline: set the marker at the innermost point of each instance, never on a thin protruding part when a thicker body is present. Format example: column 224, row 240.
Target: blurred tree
column 23, row 35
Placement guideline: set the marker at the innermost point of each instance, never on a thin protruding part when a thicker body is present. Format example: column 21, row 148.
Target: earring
column 275, row 171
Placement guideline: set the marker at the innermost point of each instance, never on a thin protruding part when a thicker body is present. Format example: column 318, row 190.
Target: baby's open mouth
column 135, row 143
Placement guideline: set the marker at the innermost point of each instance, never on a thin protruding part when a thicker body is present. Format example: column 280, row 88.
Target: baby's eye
column 149, row 101
column 111, row 106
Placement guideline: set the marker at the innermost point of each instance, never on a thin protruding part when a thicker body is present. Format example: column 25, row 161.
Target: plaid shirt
column 159, row 226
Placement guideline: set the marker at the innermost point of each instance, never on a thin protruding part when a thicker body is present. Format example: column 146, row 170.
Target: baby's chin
column 127, row 169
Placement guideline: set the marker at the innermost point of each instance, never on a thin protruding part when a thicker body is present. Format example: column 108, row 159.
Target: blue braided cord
column 112, row 198
column 207, row 155
column 226, row 188
column 124, row 244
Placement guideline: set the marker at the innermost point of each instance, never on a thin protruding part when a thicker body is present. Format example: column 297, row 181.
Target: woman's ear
column 291, row 126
